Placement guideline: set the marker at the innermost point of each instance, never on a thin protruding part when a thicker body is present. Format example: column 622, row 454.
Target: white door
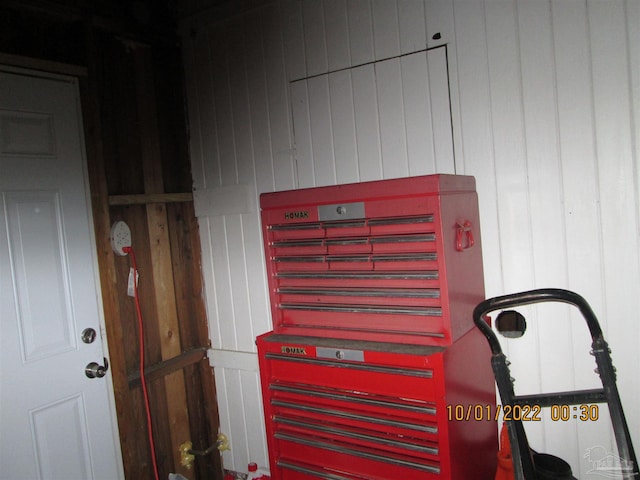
column 55, row 422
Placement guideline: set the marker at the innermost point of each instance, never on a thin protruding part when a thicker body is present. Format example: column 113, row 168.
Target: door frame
column 78, row 75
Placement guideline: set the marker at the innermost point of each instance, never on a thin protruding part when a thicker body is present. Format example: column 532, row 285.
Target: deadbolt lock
column 88, row 335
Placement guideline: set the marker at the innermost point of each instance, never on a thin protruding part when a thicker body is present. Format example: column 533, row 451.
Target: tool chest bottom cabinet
column 351, row 410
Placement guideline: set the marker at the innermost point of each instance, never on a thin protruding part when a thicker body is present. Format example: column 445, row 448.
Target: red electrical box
column 392, row 261
column 374, row 369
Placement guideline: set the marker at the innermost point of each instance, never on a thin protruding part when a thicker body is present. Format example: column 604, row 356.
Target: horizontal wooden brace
column 166, row 367
column 146, row 198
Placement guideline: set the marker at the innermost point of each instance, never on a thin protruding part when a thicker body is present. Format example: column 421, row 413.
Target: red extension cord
column 143, row 381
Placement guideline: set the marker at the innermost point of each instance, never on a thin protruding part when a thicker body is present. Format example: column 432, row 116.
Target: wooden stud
column 194, row 332
column 160, row 251
column 166, row 367
column 101, row 220
column 143, row 199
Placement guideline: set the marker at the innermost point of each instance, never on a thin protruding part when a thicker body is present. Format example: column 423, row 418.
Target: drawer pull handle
column 349, row 435
column 373, row 455
column 354, row 366
column 309, row 471
column 421, row 409
column 359, row 417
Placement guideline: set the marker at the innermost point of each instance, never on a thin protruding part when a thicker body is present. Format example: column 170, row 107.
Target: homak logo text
column 296, row 215
column 294, row 350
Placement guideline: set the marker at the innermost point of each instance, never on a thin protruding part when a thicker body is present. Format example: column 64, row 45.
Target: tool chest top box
column 392, row 261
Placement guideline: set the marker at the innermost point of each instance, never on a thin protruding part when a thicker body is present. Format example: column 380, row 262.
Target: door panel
column 48, row 422
column 55, row 422
column 36, row 256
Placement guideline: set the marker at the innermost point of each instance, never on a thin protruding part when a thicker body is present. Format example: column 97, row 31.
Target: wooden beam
column 194, row 332
column 164, row 368
column 102, row 224
column 160, row 252
column 147, row 198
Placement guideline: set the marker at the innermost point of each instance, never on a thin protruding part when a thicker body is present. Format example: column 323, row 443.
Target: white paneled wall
column 385, row 119
column 544, row 109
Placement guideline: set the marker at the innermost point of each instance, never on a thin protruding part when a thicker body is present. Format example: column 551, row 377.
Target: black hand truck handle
column 521, row 453
column 528, row 298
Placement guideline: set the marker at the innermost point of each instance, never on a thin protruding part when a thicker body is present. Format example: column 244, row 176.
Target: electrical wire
column 143, row 381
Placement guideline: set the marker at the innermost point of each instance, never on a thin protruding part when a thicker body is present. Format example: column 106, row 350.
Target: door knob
column 95, row 370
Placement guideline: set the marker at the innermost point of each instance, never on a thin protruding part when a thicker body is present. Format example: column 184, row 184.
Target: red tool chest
column 393, row 261
column 342, row 409
column 374, row 350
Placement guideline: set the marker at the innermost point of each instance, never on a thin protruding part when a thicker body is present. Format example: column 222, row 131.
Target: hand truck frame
column 523, row 462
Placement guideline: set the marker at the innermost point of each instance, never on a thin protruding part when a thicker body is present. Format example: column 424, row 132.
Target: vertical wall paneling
column 474, row 111
column 225, row 406
column 503, row 63
column 278, row 128
column 360, row 31
column 275, row 132
column 256, row 445
column 246, row 385
column 419, row 114
column 259, row 320
column 302, row 133
column 223, row 289
column 337, row 34
column 632, row 9
column 439, row 23
column 633, row 42
column 367, row 126
column 545, row 193
column 293, row 41
column 618, row 196
column 241, row 116
column 540, row 100
column 243, row 236
column 238, row 430
column 221, row 51
column 258, row 101
column 386, row 34
column 580, row 192
column 321, row 131
column 241, row 408
column 207, row 109
column 344, row 131
column 578, row 169
column 315, row 42
column 612, row 125
column 440, row 110
column 393, row 140
column 208, row 272
column 508, row 140
column 238, row 278
column 412, row 26
column 401, row 112
column 255, row 168
column 440, row 30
